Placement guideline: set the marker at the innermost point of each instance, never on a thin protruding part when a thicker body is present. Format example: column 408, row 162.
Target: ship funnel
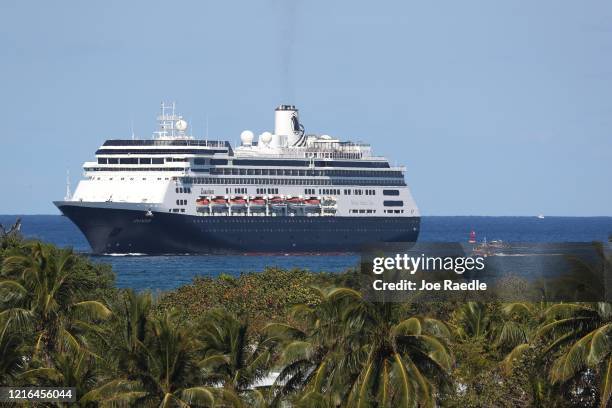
column 287, row 127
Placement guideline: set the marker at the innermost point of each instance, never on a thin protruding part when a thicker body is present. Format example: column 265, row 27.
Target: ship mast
column 68, row 192
column 170, row 125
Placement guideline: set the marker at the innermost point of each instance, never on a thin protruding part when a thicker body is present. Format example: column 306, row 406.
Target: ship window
column 393, row 203
column 391, row 192
column 199, row 161
column 157, row 160
column 113, row 161
column 220, row 162
column 102, row 160
column 128, row 160
column 145, row 160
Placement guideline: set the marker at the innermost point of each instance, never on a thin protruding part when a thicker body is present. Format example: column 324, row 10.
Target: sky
column 495, row 108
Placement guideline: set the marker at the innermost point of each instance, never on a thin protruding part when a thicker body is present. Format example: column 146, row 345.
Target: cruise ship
column 286, row 191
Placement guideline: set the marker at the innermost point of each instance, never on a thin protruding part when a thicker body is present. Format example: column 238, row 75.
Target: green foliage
column 257, row 297
column 63, row 323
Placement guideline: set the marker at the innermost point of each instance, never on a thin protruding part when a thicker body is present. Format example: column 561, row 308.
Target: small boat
column 312, row 201
column 277, row 203
column 496, row 243
column 295, row 202
column 257, row 203
column 472, row 239
column 541, row 216
column 238, row 202
column 219, row 203
column 202, row 201
column 312, row 204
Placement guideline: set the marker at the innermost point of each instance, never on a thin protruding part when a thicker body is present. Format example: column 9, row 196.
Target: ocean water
column 168, row 272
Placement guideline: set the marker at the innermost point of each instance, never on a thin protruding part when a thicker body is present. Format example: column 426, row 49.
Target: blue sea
column 169, row 272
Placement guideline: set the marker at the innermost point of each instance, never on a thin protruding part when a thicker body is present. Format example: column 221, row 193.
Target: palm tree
column 518, row 342
column 357, row 353
column 152, row 357
column 42, row 291
column 80, row 370
column 582, row 333
column 311, row 348
column 131, row 329
column 230, row 357
column 473, row 321
column 405, row 361
column 13, row 348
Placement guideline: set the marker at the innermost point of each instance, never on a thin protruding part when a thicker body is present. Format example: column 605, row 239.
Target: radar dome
column 265, row 137
column 181, row 125
column 246, row 137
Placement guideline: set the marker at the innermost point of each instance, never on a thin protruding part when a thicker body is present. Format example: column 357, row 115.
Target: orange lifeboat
column 238, row 202
column 312, row 201
column 312, row 204
column 258, row 201
column 257, row 204
column 219, row 201
column 202, row 201
column 278, row 204
column 295, row 203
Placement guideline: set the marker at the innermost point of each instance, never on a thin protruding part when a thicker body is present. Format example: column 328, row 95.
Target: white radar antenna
column 170, row 124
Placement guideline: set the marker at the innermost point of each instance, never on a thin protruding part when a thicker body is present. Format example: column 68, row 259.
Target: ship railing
column 315, row 154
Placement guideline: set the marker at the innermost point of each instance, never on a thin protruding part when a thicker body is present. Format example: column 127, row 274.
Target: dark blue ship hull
column 129, row 231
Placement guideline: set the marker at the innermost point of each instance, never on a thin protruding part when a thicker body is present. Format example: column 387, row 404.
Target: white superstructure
column 310, row 175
